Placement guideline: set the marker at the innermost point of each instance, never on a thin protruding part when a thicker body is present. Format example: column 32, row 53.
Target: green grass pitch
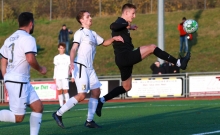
column 133, row 118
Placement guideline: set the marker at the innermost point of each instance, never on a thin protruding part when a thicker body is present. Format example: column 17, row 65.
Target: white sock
column 91, row 108
column 178, row 64
column 67, row 96
column 67, row 106
column 60, row 97
column 35, row 121
column 102, row 99
column 7, row 116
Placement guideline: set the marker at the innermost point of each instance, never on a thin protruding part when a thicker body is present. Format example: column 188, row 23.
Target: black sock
column 114, row 93
column 164, row 55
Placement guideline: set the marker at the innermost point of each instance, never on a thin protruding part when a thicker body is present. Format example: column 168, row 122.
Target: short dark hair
column 184, row 18
column 128, row 6
column 25, row 18
column 80, row 15
column 62, row 44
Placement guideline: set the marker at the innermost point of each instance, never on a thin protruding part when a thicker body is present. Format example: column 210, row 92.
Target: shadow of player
column 193, row 42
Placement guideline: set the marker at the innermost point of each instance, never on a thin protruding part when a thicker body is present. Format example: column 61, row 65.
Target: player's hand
column 133, row 27
column 6, row 91
column 72, row 80
column 118, row 38
column 43, row 70
column 71, row 66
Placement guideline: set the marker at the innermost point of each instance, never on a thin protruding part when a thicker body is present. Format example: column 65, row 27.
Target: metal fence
column 52, row 9
column 185, row 89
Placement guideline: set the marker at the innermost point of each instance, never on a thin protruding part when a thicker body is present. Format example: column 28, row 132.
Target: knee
column 80, row 97
column 37, row 107
column 127, row 87
column 95, row 93
column 41, row 108
column 65, row 91
column 59, row 92
column 19, row 118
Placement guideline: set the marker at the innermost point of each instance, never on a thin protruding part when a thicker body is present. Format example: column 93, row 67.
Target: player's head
column 61, row 48
column 84, row 18
column 64, row 26
column 157, row 63
column 183, row 19
column 128, row 12
column 26, row 20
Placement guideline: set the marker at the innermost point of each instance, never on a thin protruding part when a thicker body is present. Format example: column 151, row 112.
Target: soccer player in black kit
column 126, row 55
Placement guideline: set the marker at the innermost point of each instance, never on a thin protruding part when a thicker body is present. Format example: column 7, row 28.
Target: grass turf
column 141, row 118
column 204, row 47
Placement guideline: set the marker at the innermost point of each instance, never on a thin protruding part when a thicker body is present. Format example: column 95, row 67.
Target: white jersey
column 61, row 69
column 87, row 40
column 14, row 49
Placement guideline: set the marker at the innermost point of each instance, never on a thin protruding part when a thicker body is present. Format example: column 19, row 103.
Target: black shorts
column 125, row 62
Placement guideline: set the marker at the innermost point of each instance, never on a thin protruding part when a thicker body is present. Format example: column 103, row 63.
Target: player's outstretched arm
column 4, row 63
column 72, row 55
column 132, row 27
column 118, row 26
column 115, row 38
column 31, row 59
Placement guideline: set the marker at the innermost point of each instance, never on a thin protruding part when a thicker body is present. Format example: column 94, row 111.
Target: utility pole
column 151, row 6
column 2, row 10
column 50, row 10
column 100, row 8
column 160, row 37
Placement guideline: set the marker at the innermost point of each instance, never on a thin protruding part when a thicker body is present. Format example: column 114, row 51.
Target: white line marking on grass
column 83, row 109
column 148, row 105
column 207, row 133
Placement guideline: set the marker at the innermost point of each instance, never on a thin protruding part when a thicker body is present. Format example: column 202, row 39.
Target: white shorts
column 20, row 95
column 62, row 84
column 85, row 79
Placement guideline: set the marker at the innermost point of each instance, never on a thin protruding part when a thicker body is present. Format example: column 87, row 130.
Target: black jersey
column 119, row 28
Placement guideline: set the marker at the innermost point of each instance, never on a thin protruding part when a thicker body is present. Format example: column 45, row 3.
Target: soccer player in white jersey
column 84, row 46
column 18, row 54
column 61, row 73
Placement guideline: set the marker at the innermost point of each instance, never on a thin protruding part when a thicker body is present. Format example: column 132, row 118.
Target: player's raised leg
column 144, row 51
column 149, row 49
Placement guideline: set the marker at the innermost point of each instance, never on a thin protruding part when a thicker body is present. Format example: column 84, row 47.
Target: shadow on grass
column 170, row 123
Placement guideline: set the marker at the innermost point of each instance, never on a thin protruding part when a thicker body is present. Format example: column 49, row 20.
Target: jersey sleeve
column 99, row 39
column 69, row 60
column 29, row 45
column 54, row 72
column 55, row 61
column 77, row 37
